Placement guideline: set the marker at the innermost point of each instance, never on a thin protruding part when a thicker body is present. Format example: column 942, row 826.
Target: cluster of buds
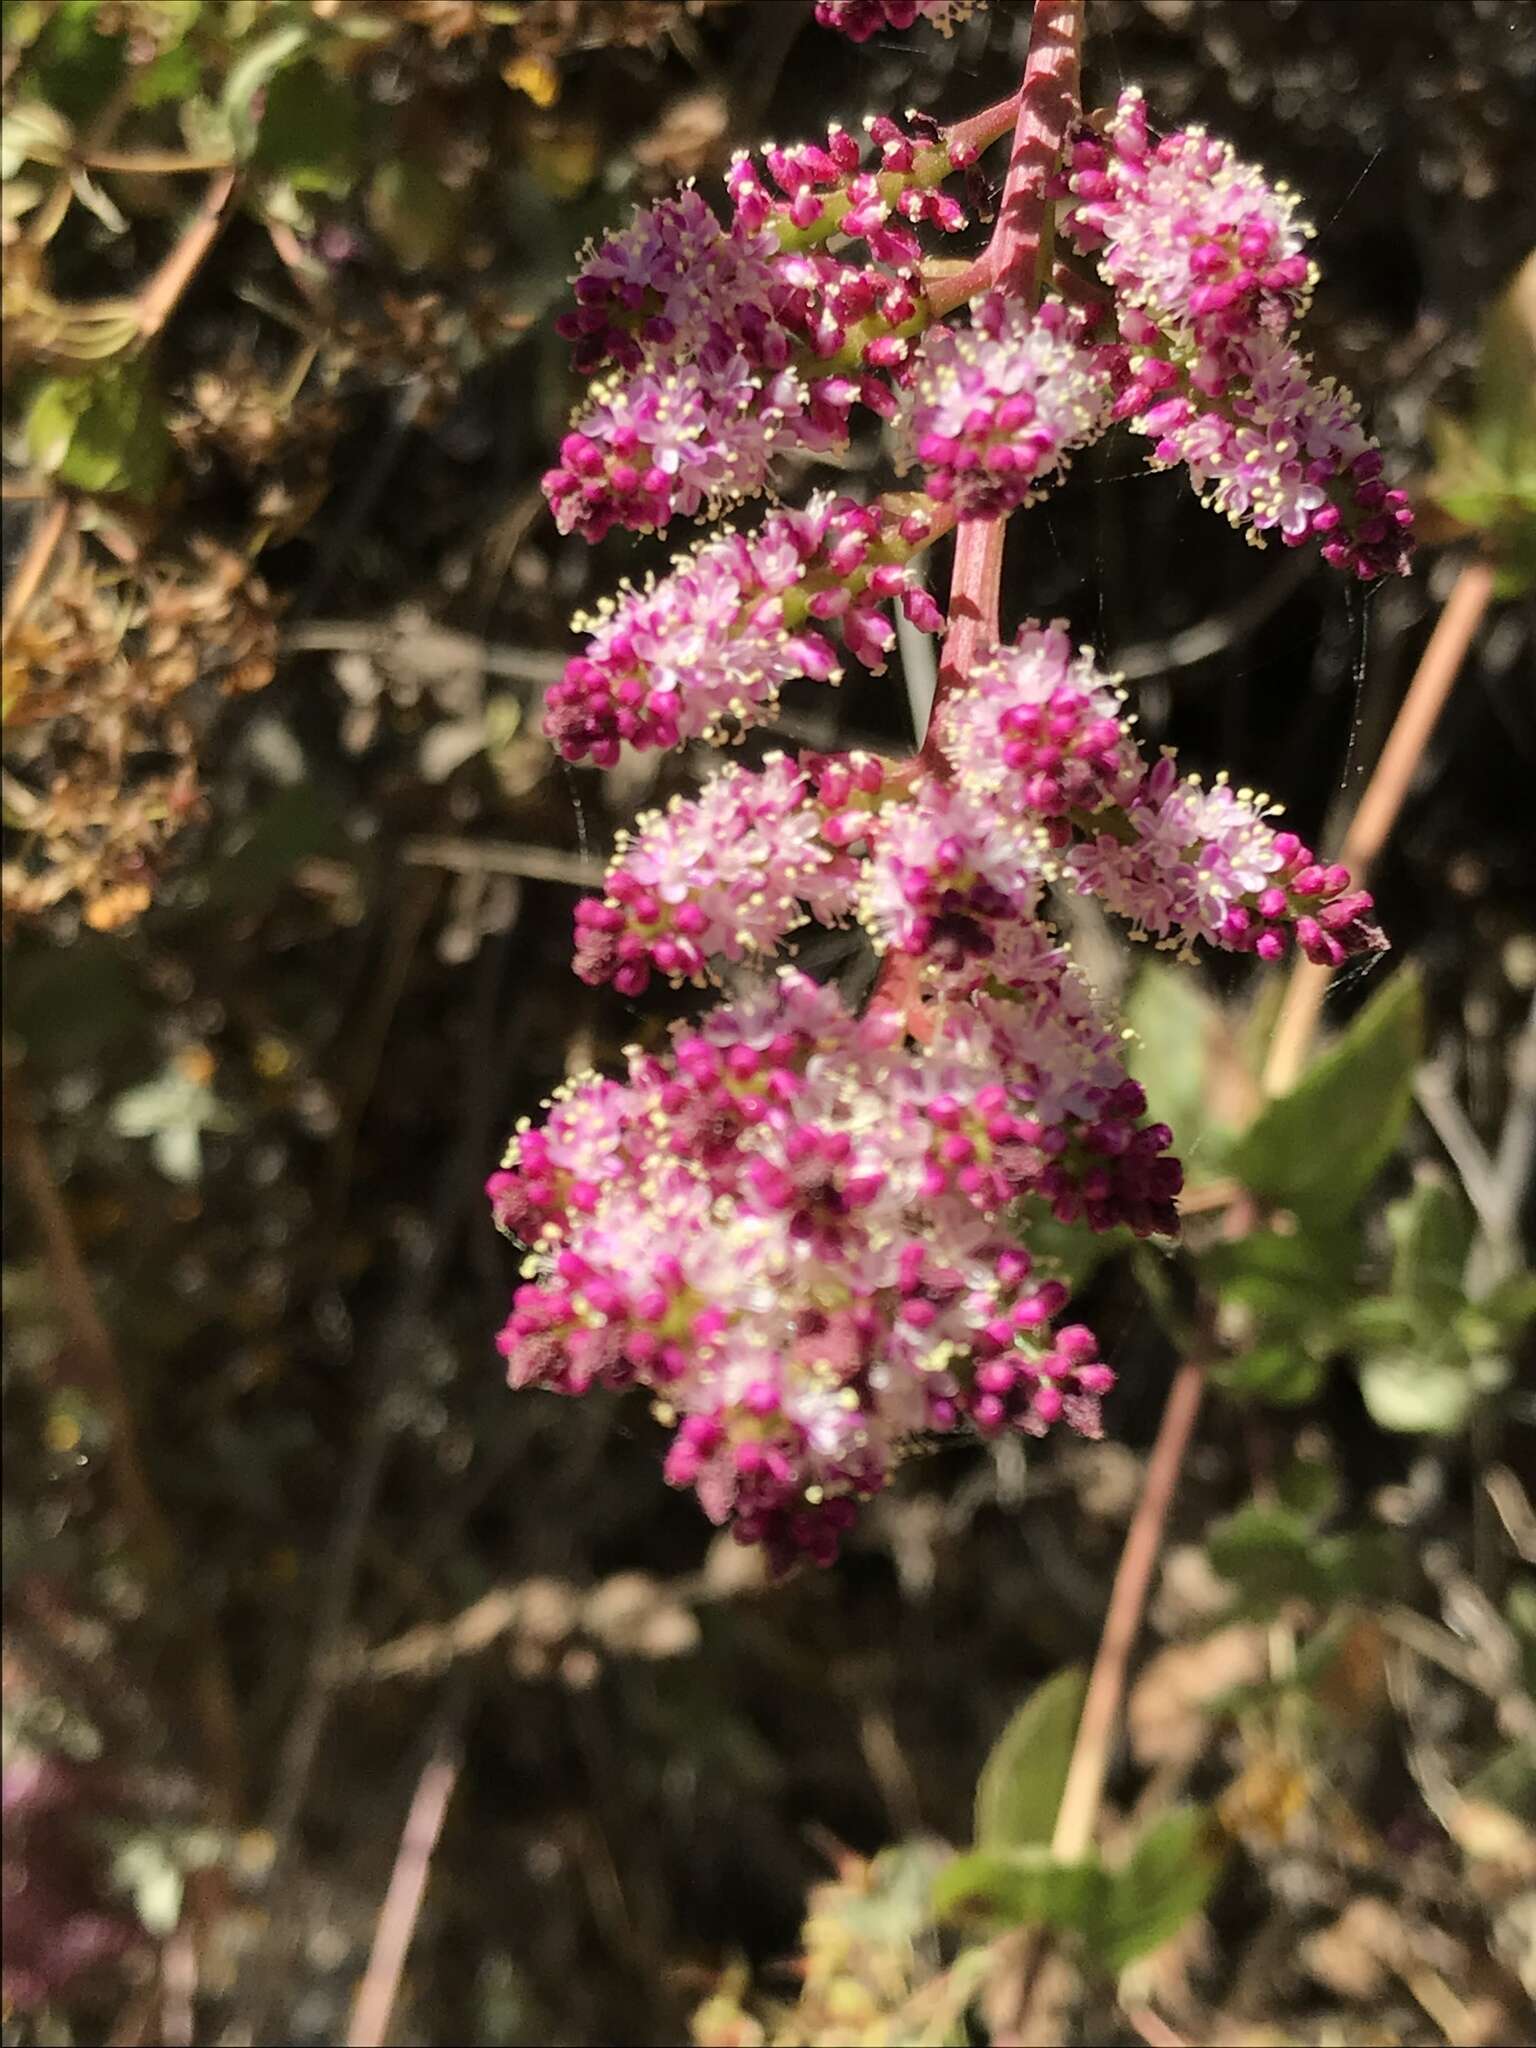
column 728, row 875
column 1036, row 779
column 798, row 1228
column 788, row 1230
column 997, row 409
column 719, row 347
column 1206, row 260
column 1186, row 863
column 708, row 648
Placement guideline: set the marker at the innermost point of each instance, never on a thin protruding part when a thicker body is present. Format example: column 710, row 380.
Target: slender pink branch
column 979, row 131
column 380, row 1987
column 945, row 290
column 974, row 588
column 1078, row 1813
column 1047, row 102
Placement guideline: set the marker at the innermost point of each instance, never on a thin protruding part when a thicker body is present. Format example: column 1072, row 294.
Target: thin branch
column 152, row 162
column 435, row 643
column 503, row 857
column 1048, row 104
column 380, row 1988
column 1078, row 1814
column 160, row 297
column 1153, row 2029
column 1445, row 1116
column 47, row 533
column 1455, row 630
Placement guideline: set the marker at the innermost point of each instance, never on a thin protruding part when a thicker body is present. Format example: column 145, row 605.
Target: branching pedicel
column 800, row 1228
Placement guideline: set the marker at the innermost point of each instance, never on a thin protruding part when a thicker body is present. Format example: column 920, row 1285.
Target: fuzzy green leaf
column 1316, row 1150
column 311, row 131
column 1021, row 1887
column 102, row 432
column 1022, row 1779
column 1171, row 1873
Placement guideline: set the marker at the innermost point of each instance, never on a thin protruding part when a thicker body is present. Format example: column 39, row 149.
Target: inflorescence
column 799, row 1227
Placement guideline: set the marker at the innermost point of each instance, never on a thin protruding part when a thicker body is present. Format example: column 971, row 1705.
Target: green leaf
column 1273, row 1555
column 1417, row 1395
column 311, row 131
column 1282, row 1296
column 1316, row 1150
column 1281, row 1374
column 1432, row 1231
column 1508, row 1780
column 1286, row 1279
column 1505, row 413
column 1267, row 1554
column 171, row 77
column 251, row 73
column 1021, row 1887
column 104, row 431
column 1309, row 1487
column 1509, row 1308
column 1384, row 1322
column 1485, row 467
column 75, row 65
column 1171, row 1873
column 1022, row 1779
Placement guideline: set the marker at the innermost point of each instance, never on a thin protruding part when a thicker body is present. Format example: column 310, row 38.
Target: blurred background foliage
column 287, row 889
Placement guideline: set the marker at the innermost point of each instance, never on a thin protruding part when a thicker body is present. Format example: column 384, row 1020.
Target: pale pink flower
column 996, row 410
column 710, row 646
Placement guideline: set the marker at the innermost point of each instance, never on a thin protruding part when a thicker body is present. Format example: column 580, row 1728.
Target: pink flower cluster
column 996, row 410
column 861, row 19
column 729, row 874
column 1184, row 862
column 721, row 347
column 787, row 1229
column 1206, row 260
column 713, row 643
column 796, row 1227
column 1038, row 777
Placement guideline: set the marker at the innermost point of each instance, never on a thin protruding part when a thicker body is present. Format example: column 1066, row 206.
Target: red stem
column 1046, row 104
column 1048, row 101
